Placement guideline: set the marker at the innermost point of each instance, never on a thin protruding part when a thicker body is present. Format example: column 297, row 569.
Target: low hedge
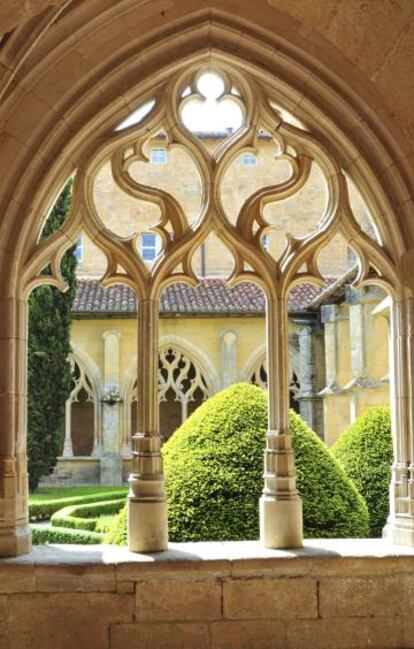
column 42, row 534
column 214, row 475
column 85, row 516
column 43, row 510
column 365, row 452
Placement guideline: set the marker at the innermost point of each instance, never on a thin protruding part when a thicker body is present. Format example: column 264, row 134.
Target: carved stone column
column 280, row 505
column 15, row 535
column 400, row 524
column 111, row 461
column 359, row 326
column 147, row 506
column 67, row 444
column 310, row 403
column 330, row 314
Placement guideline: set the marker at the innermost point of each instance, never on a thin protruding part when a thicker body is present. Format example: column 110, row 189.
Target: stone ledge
column 226, row 551
column 111, row 565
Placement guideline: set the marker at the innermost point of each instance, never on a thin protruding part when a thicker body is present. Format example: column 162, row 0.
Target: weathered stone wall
column 332, row 594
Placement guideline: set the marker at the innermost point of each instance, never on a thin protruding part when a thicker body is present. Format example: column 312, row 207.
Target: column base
column 147, row 526
column 15, row 541
column 400, row 531
column 280, row 523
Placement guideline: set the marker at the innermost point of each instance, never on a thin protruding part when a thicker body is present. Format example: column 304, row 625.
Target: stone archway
column 340, row 109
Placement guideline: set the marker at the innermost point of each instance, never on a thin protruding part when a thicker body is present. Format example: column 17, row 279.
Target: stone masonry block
column 81, row 578
column 342, row 633
column 366, row 596
column 254, row 634
column 178, row 600
column 160, row 636
column 270, row 598
column 61, row 621
column 16, row 579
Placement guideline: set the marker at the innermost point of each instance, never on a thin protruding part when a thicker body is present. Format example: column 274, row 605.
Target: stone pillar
column 15, row 535
column 280, row 505
column 67, row 444
column 228, row 357
column 310, row 403
column 111, row 461
column 400, row 524
column 331, row 315
column 147, row 506
column 359, row 325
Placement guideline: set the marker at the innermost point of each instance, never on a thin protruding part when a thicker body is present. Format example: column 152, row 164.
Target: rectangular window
column 249, row 160
column 150, row 246
column 158, row 156
column 79, row 249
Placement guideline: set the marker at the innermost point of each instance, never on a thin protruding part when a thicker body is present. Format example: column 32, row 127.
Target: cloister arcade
column 314, row 115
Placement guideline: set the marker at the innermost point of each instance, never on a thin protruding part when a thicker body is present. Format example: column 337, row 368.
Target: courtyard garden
column 214, row 465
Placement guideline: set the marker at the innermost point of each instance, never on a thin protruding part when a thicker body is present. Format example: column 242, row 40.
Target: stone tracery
column 82, row 391
column 281, row 518
column 180, row 379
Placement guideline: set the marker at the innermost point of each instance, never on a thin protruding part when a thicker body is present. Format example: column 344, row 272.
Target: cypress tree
column 49, row 372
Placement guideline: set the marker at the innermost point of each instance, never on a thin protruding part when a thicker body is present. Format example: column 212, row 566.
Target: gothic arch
column 85, row 373
column 258, row 357
column 344, row 114
column 203, row 379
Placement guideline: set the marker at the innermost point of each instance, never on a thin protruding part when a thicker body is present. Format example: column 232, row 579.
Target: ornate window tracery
column 259, row 378
column 181, row 381
column 247, row 108
column 81, row 422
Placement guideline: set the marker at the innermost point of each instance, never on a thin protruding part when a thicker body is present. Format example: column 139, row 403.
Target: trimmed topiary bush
column 214, row 469
column 365, row 452
column 117, row 535
column 43, row 510
column 42, row 534
column 85, row 516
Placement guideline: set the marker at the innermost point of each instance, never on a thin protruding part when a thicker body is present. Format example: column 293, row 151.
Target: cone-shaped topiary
column 365, row 452
column 214, row 470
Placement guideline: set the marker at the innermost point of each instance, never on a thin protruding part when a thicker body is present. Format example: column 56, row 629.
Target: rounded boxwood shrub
column 365, row 452
column 214, row 470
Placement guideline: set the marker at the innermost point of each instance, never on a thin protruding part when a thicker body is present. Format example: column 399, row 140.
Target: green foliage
column 41, row 534
column 365, row 452
column 49, row 373
column 214, row 469
column 85, row 516
column 117, row 534
column 43, row 509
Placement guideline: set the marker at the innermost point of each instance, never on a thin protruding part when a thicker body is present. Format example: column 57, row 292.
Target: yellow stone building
column 213, row 335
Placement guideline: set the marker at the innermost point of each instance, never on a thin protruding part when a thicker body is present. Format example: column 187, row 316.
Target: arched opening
column 81, row 434
column 182, row 388
column 123, row 255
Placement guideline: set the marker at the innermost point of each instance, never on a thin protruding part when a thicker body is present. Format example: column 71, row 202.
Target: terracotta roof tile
column 210, row 296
